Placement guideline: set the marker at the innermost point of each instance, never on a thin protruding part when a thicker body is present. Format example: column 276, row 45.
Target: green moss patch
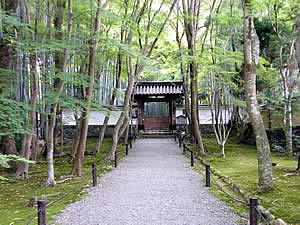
column 240, row 165
column 15, row 194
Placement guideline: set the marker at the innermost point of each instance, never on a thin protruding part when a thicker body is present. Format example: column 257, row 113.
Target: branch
column 161, row 29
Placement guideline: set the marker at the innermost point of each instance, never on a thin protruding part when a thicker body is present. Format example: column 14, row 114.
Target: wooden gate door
column 156, row 123
column 156, row 116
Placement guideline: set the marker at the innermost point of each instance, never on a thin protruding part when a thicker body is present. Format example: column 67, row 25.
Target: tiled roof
column 159, row 88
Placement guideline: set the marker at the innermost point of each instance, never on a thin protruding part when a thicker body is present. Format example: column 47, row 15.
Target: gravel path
column 153, row 185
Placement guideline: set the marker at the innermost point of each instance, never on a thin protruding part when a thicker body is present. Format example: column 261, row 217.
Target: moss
column 240, row 165
column 14, row 196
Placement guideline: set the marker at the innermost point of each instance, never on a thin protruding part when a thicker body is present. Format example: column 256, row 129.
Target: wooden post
column 207, row 169
column 130, row 142
column 253, row 213
column 116, row 159
column 180, row 142
column 192, row 158
column 94, row 173
column 126, row 149
column 41, row 212
column 184, row 148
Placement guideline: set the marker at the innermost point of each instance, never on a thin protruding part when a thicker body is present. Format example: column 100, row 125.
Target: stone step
column 155, row 134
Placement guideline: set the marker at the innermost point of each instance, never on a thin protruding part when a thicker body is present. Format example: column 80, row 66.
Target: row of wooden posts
column 253, row 202
column 42, row 203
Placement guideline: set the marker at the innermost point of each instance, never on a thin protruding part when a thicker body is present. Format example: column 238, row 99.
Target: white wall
column 205, row 114
column 95, row 118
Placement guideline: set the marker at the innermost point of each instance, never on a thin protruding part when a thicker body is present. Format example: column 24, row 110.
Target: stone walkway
column 154, row 185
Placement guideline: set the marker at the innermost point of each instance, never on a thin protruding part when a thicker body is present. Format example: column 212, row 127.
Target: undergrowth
column 15, row 194
column 240, row 165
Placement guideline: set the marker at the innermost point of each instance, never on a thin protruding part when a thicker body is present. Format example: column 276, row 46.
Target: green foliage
column 5, row 159
column 13, row 117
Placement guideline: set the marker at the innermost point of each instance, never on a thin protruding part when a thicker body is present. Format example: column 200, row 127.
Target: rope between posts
column 60, row 198
column 261, row 216
column 63, row 196
column 32, row 217
column 234, row 199
column 231, row 197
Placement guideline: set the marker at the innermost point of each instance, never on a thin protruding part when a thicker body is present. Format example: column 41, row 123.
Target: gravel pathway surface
column 153, row 185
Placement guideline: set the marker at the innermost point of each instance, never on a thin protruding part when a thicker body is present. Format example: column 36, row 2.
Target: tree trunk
column 184, row 73
column 113, row 98
column 297, row 44
column 251, row 53
column 76, row 139
column 191, row 17
column 9, row 145
column 102, row 133
column 23, row 167
column 126, row 134
column 124, row 114
column 89, row 91
column 194, row 108
column 222, row 146
column 288, row 125
column 60, row 63
column 288, row 85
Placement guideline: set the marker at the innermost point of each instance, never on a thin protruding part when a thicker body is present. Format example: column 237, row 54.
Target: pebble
column 154, row 185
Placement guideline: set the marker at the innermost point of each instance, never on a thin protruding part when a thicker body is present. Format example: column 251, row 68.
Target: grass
column 240, row 165
column 15, row 195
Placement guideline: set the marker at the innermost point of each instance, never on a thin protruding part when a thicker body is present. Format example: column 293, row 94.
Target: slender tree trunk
column 297, row 46
column 102, row 133
column 126, row 134
column 287, row 83
column 89, row 91
column 288, row 125
column 251, row 54
column 23, row 167
column 222, row 146
column 124, row 114
column 191, row 18
column 194, row 108
column 184, row 73
column 61, row 63
column 297, row 43
column 76, row 139
column 113, row 98
column 187, row 98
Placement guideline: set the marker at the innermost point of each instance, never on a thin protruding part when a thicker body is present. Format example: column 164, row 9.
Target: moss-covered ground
column 15, row 194
column 240, row 165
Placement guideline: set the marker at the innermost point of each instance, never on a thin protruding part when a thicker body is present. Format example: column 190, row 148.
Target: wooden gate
column 156, row 122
